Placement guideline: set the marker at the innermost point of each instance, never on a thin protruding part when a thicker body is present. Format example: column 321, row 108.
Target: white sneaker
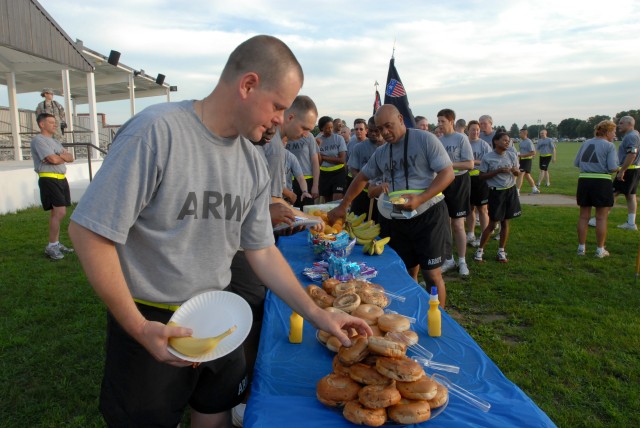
column 592, row 222
column 475, row 243
column 463, row 270
column 602, row 254
column 535, row 191
column 237, row 415
column 478, row 256
column 628, row 226
column 581, row 251
column 470, row 237
column 447, row 265
column 497, row 237
column 502, row 257
column 53, row 253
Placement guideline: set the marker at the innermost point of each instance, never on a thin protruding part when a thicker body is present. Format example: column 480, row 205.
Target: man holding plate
column 181, row 191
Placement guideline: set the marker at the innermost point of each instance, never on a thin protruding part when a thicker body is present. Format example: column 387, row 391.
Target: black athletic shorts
column 504, row 204
column 54, row 192
column 456, row 195
column 300, row 203
column 479, row 194
column 594, row 192
column 420, row 240
column 544, row 162
column 630, row 184
column 137, row 390
column 525, row 165
column 332, row 182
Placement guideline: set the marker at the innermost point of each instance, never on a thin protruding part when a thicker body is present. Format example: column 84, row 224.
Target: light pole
column 539, row 127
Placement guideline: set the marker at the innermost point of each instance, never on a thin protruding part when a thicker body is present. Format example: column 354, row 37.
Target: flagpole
column 393, row 53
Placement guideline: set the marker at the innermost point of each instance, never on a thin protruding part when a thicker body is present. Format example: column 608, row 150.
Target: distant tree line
column 571, row 128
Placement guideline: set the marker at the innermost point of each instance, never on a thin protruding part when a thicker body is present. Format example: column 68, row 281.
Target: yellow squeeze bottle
column 434, row 317
column 295, row 328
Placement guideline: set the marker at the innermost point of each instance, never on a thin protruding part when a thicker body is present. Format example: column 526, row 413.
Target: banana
column 351, row 217
column 379, row 245
column 363, row 241
column 364, row 225
column 194, row 347
column 367, row 247
column 366, row 234
column 357, row 221
column 372, row 248
column 349, row 230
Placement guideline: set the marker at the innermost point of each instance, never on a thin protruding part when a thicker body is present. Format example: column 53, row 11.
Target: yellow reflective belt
column 474, row 172
column 306, row 177
column 331, row 168
column 633, row 167
column 158, row 305
column 404, row 192
column 545, row 156
column 529, row 157
column 503, row 188
column 51, row 175
column 594, row 175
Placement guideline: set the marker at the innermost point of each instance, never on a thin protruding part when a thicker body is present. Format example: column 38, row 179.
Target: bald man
column 181, row 191
column 414, row 166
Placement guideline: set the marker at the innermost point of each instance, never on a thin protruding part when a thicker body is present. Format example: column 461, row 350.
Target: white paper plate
column 210, row 314
column 300, row 221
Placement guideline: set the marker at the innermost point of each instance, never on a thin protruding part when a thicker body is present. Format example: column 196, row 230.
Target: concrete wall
column 19, row 183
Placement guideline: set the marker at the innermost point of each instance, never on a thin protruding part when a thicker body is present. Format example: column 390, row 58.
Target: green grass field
column 563, row 328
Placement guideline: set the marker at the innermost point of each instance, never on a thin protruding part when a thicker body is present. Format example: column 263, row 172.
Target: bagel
column 356, row 413
column 339, row 368
column 376, row 330
column 441, row 397
column 393, row 322
column 409, row 412
column 333, row 344
column 320, row 297
column 407, row 337
column 379, row 396
column 368, row 312
column 329, row 284
column 386, row 347
column 374, row 297
column 343, row 288
column 423, row 389
column 323, row 336
column 335, row 390
column 347, row 302
column 366, row 374
column 402, row 369
column 349, row 355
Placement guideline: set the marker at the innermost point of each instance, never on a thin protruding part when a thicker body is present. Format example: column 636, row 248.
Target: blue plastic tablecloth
column 283, row 393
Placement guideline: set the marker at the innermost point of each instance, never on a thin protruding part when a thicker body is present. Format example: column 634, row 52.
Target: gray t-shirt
column 596, row 155
column 332, row 145
column 630, row 144
column 274, row 152
column 545, row 146
column 353, row 143
column 425, row 158
column 362, row 154
column 458, row 148
column 178, row 202
column 526, row 146
column 492, row 161
column 41, row 147
column 291, row 169
column 304, row 148
column 487, row 137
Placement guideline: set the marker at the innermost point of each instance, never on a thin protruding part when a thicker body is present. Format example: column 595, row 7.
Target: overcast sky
column 520, row 61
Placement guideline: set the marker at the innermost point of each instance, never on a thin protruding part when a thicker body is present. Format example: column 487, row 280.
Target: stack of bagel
column 373, row 379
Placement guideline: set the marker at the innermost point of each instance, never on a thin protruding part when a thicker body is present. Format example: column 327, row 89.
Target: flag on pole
column 376, row 103
column 396, row 94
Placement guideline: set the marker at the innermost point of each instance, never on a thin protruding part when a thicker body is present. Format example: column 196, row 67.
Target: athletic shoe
column 470, row 237
column 581, row 252
column 592, row 222
column 478, row 256
column 237, row 415
column 463, row 270
column 535, row 191
column 475, row 243
column 497, row 236
column 602, row 254
column 628, row 226
column 53, row 252
column 548, row 184
column 447, row 265
column 65, row 250
column 502, row 257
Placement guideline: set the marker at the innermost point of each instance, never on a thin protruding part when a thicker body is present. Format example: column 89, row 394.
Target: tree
column 515, row 131
column 587, row 131
column 552, row 130
column 568, row 128
column 633, row 113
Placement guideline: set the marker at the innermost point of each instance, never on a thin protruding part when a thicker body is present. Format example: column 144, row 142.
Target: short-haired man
column 547, row 153
column 49, row 158
column 181, row 191
column 479, row 194
column 360, row 135
column 456, row 195
column 461, row 126
column 525, row 156
column 627, row 177
column 486, row 128
column 418, row 240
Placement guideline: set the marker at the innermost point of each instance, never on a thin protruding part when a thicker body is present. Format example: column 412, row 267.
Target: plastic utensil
column 459, row 391
column 436, row 365
column 397, row 297
column 412, row 320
